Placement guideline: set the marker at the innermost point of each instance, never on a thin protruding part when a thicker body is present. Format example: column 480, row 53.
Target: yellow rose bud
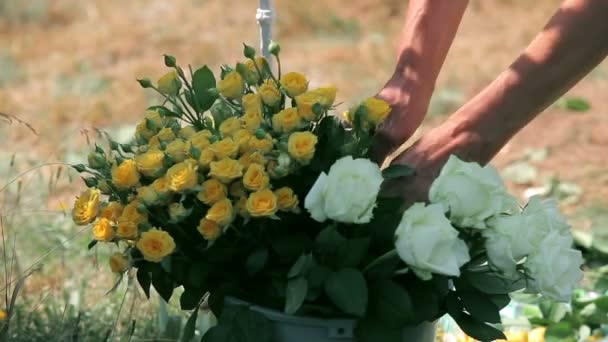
column 126, row 229
column 286, row 120
column 301, row 146
column 155, row 120
column 241, row 206
column 161, row 186
column 166, row 135
column 327, row 96
column 143, row 132
column 294, row 83
column 305, row 103
column 252, row 102
column 270, row 93
column 151, row 163
column 177, row 150
column 187, row 132
column 237, row 189
column 226, row 170
column 377, row 110
column 229, row 126
column 264, row 145
column 104, row 186
column 231, row 87
column 3, row 315
column 225, row 148
column 147, row 195
column 252, row 158
column 212, row 191
column 118, row 263
column 255, row 178
column 169, row 83
column 177, row 212
column 286, row 199
column 252, row 71
column 252, row 121
column 347, row 116
column 102, row 230
column 111, row 211
column 241, row 137
column 155, row 244
column 86, row 207
column 221, row 212
column 125, row 175
column 207, row 156
column 210, row 230
column 200, row 140
column 262, row 203
column 154, row 143
column 183, row 176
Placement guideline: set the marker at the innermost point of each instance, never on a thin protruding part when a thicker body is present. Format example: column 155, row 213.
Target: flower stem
column 384, row 257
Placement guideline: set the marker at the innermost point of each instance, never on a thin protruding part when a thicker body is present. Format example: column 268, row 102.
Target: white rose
column 347, row 193
column 428, row 243
column 510, row 238
column 470, row 193
column 555, row 267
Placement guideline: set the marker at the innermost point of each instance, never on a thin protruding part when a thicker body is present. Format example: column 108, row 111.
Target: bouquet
column 249, row 187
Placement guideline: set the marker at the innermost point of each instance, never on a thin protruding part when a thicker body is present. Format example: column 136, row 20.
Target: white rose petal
column 427, row 242
column 470, row 193
column 347, row 193
column 555, row 267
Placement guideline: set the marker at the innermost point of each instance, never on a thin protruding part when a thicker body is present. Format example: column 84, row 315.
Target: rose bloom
column 166, row 134
column 199, row 140
column 256, row 178
column 205, row 159
column 225, row 148
column 177, row 150
column 151, row 163
column 86, row 207
column 270, row 93
column 148, row 195
column 161, row 186
column 263, row 145
column 177, row 212
column 125, row 175
column 103, row 230
column 221, row 212
column 305, row 103
column 111, row 211
column 237, row 189
column 127, row 229
column 286, row 120
column 183, row 176
column 212, row 191
column 210, row 230
column 118, row 263
column 242, row 137
column 294, row 83
column 262, row 203
column 327, row 96
column 252, row 158
column 231, row 87
column 252, row 121
column 377, row 110
column 155, row 244
column 286, row 199
column 226, row 170
column 252, row 102
column 187, row 132
column 229, row 126
column 301, row 146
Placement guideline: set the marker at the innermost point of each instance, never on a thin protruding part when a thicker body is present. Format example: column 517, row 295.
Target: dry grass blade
column 10, row 119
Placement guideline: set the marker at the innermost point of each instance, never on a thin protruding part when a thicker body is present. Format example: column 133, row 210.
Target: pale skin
column 573, row 42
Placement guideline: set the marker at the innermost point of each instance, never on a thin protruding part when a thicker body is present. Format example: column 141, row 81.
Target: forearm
column 573, row 43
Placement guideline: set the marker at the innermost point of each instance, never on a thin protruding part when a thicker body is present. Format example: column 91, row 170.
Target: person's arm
column 428, row 33
column 574, row 41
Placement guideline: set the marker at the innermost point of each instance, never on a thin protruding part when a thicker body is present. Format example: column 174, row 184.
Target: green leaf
column 602, row 303
column 292, row 245
column 202, row 81
column 297, row 289
column 352, row 252
column 329, row 239
column 374, row 330
column 145, row 280
column 92, row 244
column 575, row 104
column 219, row 333
column 256, row 261
column 397, row 171
column 190, row 298
column 164, row 111
column 493, row 283
column 559, row 332
column 480, row 307
column 190, row 326
column 301, row 266
column 478, row 329
column 500, row 300
column 426, row 301
column 317, row 275
column 391, row 304
column 347, row 289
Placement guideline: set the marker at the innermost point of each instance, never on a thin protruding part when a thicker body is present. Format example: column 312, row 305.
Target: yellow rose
column 183, row 176
column 241, row 137
column 231, row 87
column 225, row 148
column 207, row 156
column 263, row 145
column 147, row 195
column 346, row 115
column 169, row 83
column 111, row 211
column 262, row 203
column 301, row 146
column 252, row 72
column 118, row 263
column 155, row 244
column 125, row 175
column 305, row 102
column 199, row 140
column 537, row 334
column 327, row 96
column 226, row 170
column 377, row 110
column 237, row 189
column 253, row 157
column 212, row 192
column 252, row 102
column 241, row 206
column 187, row 132
column 166, row 135
column 210, row 230
column 131, row 213
column 154, row 143
column 2, row 315
column 155, row 120
column 286, row 199
column 286, row 120
column 294, row 83
column 86, row 207
column 221, row 212
column 255, row 178
column 270, row 93
column 151, row 163
column 102, row 230
column 177, row 150
column 126, row 229
column 229, row 126
column 178, row 212
column 161, row 186
column 143, row 132
column 252, row 121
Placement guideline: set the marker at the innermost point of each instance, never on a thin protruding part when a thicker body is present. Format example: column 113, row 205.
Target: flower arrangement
column 248, row 186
